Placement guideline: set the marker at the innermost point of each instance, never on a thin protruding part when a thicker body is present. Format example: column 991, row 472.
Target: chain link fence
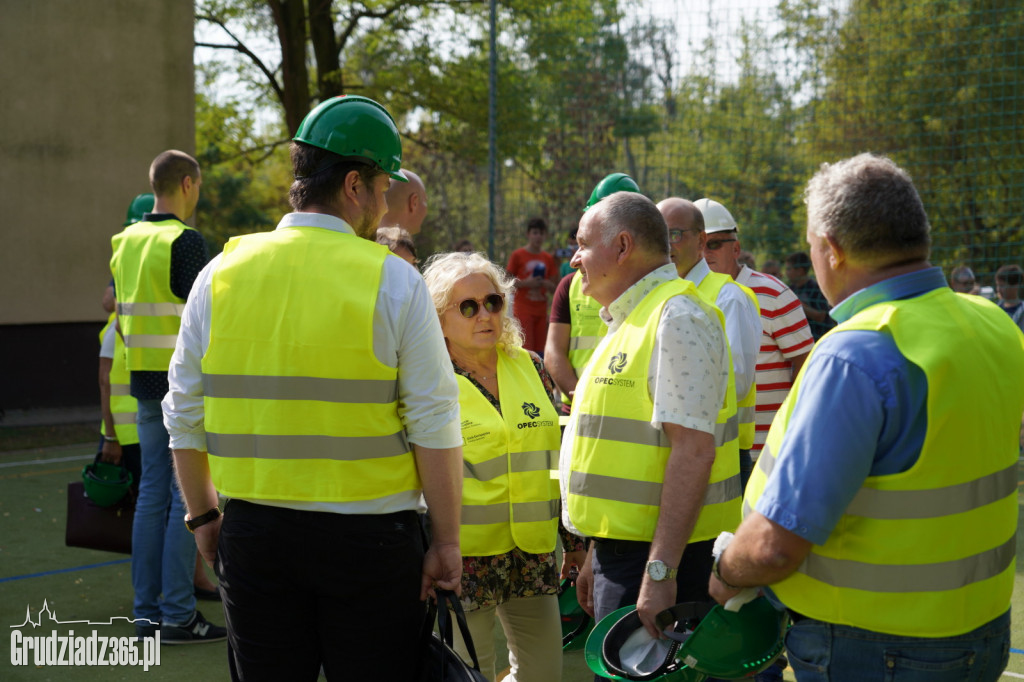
column 741, row 101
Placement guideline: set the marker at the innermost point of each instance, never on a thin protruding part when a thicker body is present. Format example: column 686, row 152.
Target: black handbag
column 440, row 662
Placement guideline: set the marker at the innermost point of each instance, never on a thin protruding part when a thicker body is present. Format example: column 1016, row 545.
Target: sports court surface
column 87, row 585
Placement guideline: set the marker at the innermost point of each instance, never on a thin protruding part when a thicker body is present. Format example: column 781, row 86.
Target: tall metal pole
column 492, row 125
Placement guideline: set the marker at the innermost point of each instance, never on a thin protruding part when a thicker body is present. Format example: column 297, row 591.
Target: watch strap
column 670, row 573
column 202, row 519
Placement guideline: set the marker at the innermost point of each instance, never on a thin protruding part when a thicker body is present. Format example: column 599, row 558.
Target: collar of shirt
column 893, row 289
column 698, row 272
column 159, row 217
column 621, row 307
column 327, row 222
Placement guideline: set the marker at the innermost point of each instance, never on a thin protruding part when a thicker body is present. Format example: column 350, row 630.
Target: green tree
column 936, row 85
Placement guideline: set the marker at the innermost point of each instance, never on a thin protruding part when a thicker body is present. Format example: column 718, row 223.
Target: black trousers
column 619, row 567
column 303, row 589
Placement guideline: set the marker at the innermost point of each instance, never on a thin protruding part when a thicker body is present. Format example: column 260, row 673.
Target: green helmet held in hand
column 105, row 484
column 140, row 206
column 616, row 182
column 702, row 640
column 355, row 126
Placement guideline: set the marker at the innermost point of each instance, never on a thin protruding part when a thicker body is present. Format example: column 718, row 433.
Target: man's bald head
column 685, row 232
column 407, row 203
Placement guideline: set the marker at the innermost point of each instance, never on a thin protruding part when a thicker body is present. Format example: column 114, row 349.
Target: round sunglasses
column 469, row 308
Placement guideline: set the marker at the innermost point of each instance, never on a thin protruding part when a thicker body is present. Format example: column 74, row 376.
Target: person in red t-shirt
column 536, row 277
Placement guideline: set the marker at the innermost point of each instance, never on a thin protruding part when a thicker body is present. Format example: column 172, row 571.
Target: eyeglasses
column 715, row 246
column 492, row 303
column 676, row 236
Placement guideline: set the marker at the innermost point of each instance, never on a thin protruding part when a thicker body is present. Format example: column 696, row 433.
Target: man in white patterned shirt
column 651, row 393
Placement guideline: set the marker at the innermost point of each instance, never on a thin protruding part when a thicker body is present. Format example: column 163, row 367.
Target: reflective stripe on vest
column 123, row 406
column 618, row 460
column 149, row 312
column 510, row 460
column 297, row 405
column 928, row 552
column 710, row 287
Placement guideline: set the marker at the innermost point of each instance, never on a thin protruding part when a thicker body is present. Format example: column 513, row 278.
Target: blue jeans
column 163, row 551
column 823, row 652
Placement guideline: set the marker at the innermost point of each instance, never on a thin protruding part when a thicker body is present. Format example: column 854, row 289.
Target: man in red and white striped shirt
column 785, row 342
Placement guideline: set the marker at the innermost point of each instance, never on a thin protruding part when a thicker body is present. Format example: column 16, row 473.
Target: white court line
column 1009, row 674
column 45, row 461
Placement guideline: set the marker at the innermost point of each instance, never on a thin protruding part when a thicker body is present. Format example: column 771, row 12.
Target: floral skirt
column 494, row 580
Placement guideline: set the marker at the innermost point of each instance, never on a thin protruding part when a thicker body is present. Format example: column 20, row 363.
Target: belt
column 612, row 544
column 796, row 617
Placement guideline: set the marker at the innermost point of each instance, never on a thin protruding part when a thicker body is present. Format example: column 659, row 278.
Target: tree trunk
column 290, row 18
column 325, row 50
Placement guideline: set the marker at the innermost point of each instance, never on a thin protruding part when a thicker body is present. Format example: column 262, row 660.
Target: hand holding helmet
column 702, row 639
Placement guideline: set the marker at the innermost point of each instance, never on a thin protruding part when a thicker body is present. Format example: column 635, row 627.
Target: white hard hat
column 716, row 217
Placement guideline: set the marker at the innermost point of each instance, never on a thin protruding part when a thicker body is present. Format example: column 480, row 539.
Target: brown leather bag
column 94, row 527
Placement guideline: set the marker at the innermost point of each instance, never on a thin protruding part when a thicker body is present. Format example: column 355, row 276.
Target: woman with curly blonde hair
column 510, row 495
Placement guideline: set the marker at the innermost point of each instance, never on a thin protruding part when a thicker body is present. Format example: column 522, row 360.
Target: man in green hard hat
column 310, row 385
column 574, row 327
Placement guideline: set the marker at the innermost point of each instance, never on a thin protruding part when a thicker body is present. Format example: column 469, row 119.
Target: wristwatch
column 659, row 571
column 715, row 571
column 201, row 520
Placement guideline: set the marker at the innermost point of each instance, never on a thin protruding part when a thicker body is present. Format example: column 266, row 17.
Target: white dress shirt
column 688, row 373
column 742, row 327
column 406, row 335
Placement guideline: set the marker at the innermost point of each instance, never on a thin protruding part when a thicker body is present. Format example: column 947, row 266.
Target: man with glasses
column 962, row 281
column 687, row 238
column 786, row 337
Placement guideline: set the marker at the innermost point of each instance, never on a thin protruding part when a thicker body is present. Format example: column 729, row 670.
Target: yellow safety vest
column 510, row 486
column 710, row 287
column 618, row 460
column 123, row 406
column 586, row 328
column 150, row 313
column 297, row 405
column 928, row 552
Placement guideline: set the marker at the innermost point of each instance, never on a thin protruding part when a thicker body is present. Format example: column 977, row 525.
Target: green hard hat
column 106, row 484
column 576, row 623
column 616, row 182
column 736, row 644
column 352, row 125
column 606, row 640
column 140, row 206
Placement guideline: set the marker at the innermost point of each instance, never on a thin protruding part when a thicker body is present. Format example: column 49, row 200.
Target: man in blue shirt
column 883, row 509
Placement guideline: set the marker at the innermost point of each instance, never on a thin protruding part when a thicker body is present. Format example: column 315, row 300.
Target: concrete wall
column 90, row 92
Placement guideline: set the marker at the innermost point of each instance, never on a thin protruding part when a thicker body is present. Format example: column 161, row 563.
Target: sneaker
column 197, row 631
column 146, row 628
